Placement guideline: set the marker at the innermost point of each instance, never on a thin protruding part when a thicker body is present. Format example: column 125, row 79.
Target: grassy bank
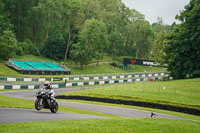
column 94, row 69
column 147, row 125
column 106, row 68
column 100, row 69
column 184, row 93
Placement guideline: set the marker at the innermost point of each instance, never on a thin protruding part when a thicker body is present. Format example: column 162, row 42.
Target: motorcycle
column 46, row 99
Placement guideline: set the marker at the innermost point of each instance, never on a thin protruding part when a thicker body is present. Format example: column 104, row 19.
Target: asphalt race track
column 15, row 115
column 12, row 115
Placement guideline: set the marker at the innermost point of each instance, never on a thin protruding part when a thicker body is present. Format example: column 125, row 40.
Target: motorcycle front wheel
column 38, row 104
column 54, row 107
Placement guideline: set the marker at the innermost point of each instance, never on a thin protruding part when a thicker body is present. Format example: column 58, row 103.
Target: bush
column 54, row 48
column 27, row 47
column 116, row 64
column 34, row 50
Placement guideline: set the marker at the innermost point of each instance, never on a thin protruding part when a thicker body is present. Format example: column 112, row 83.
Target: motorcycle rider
column 47, row 85
column 46, row 98
column 48, row 88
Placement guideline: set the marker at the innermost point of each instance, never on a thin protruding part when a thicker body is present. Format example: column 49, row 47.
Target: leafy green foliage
column 116, row 64
column 158, row 51
column 93, row 41
column 140, row 38
column 81, row 54
column 4, row 20
column 160, row 31
column 33, row 50
column 27, row 47
column 121, row 31
column 182, row 45
column 54, row 48
column 8, row 44
column 12, row 40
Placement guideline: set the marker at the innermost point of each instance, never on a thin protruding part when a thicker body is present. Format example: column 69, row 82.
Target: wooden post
column 159, row 88
column 130, row 88
column 175, row 90
column 143, row 88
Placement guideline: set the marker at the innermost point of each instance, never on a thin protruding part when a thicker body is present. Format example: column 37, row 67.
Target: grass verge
column 147, row 125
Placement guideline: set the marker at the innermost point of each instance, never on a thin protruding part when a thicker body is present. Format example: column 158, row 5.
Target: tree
column 55, row 47
column 158, row 47
column 5, row 23
column 73, row 14
column 143, row 37
column 158, row 27
column 160, row 31
column 96, row 35
column 116, row 41
column 40, row 20
column 183, row 43
column 23, row 18
column 81, row 53
column 59, row 17
column 27, row 47
column 8, row 44
column 92, row 42
column 128, row 31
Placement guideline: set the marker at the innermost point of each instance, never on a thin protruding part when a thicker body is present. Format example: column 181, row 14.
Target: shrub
column 27, row 47
column 54, row 48
column 116, row 64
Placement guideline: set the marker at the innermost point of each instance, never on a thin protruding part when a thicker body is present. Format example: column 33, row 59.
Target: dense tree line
column 85, row 29
column 180, row 48
column 62, row 29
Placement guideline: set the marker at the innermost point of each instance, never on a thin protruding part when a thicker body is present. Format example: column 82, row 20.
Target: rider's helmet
column 46, row 84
